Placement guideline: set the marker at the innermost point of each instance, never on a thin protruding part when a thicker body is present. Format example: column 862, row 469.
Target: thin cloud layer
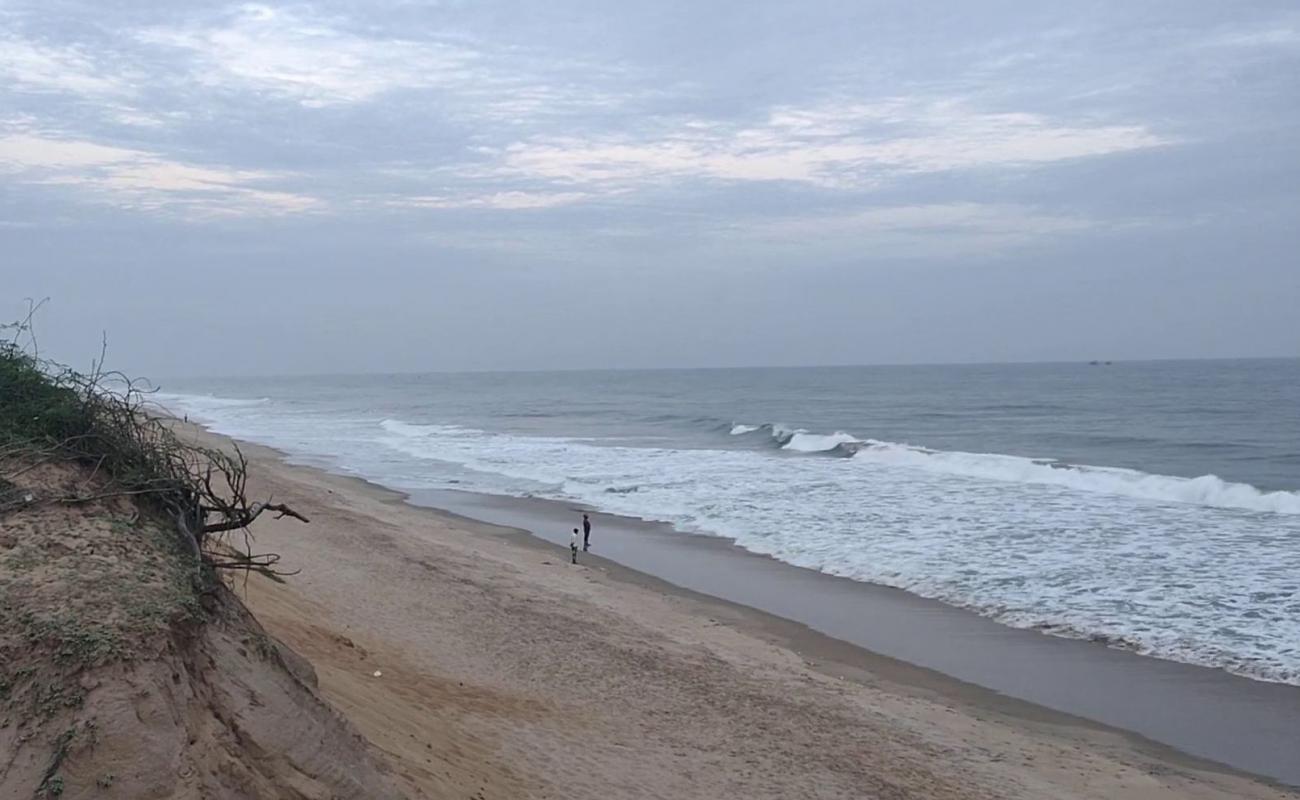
column 778, row 149
column 35, row 67
column 525, row 130
column 497, row 200
column 829, row 146
column 311, row 61
column 140, row 180
column 919, row 232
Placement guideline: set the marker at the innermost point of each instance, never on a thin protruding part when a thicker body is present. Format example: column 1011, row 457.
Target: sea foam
column 1207, row 490
column 1192, row 569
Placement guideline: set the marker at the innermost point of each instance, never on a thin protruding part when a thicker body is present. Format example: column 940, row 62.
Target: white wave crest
column 409, row 430
column 1206, row 490
column 804, row 442
column 203, row 405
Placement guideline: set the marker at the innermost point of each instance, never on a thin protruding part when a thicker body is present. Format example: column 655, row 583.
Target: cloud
column 41, row 67
column 845, row 146
column 506, row 200
column 963, row 230
column 143, row 180
column 140, row 118
column 516, row 127
column 317, row 61
column 918, row 231
column 308, row 59
column 1284, row 35
column 936, row 218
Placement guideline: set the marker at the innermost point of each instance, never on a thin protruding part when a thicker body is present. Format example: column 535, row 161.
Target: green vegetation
column 103, row 420
column 50, row 413
column 113, row 531
column 35, row 409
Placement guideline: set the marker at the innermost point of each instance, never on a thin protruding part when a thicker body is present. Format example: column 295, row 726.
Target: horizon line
column 715, row 368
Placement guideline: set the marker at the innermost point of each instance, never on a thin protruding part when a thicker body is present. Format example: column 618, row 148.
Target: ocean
column 1153, row 506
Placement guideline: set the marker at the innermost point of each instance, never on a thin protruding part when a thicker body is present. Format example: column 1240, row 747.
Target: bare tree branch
column 105, row 421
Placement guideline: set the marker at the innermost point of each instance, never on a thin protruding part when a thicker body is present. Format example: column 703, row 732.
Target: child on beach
column 573, row 546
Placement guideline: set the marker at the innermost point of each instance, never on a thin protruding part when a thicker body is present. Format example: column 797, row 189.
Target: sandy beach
column 928, row 375
column 479, row 663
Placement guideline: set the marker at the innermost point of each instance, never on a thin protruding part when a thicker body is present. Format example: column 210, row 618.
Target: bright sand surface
column 481, row 664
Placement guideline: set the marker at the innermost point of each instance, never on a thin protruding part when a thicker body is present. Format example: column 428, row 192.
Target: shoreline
column 1205, row 713
column 837, row 658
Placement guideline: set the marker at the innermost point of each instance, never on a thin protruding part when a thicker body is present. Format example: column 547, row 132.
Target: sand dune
column 118, row 681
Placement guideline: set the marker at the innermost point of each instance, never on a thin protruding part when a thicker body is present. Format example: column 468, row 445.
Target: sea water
column 1148, row 505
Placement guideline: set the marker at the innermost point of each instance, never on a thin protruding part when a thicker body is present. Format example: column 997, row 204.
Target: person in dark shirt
column 586, row 533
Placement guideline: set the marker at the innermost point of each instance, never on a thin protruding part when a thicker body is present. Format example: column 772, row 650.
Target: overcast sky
column 401, row 185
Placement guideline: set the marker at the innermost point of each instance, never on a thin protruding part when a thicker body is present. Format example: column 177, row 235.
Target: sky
column 391, row 185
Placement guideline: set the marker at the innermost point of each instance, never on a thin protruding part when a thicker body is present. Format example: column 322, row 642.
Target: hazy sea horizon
column 1152, row 505
column 176, row 379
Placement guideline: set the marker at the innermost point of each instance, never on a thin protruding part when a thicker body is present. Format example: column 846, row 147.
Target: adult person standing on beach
column 586, row 533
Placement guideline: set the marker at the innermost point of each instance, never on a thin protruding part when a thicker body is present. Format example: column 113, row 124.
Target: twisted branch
column 49, row 413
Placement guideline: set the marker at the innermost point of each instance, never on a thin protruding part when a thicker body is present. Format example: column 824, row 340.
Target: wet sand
column 1245, row 724
column 478, row 663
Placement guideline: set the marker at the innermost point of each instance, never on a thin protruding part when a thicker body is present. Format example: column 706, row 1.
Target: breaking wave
column 1198, row 570
column 1206, row 490
column 201, row 404
column 798, row 440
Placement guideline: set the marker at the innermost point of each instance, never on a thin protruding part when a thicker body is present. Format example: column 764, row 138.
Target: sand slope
column 507, row 672
column 117, row 680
